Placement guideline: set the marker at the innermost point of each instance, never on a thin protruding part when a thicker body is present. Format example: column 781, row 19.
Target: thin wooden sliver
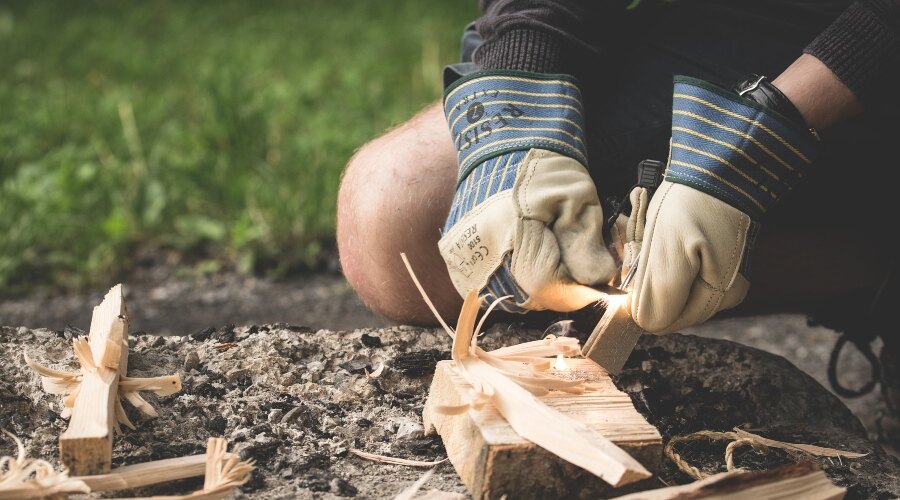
column 394, row 460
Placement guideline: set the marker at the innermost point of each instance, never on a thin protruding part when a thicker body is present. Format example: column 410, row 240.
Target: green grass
column 214, row 129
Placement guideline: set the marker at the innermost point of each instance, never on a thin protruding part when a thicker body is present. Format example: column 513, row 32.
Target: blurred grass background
column 214, row 131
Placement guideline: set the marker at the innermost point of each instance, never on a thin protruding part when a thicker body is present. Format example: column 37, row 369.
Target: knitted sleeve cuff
column 524, row 50
column 862, row 47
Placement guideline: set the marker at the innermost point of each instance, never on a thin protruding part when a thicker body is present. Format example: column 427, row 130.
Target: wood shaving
column 25, row 478
column 394, row 460
column 376, row 372
column 740, row 437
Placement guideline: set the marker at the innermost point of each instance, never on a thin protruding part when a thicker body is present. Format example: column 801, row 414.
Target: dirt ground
column 296, row 400
column 295, row 397
column 166, row 304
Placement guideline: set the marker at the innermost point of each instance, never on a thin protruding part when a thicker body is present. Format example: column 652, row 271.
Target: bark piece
column 493, row 460
column 805, row 481
column 86, row 446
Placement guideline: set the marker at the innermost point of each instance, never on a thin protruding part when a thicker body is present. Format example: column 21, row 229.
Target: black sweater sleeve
column 862, row 47
column 533, row 35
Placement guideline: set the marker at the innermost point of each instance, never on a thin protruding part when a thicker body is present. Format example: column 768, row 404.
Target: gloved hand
column 730, row 160
column 526, row 220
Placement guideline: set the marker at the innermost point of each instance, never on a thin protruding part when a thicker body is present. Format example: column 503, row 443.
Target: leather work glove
column 730, row 160
column 630, row 230
column 526, row 220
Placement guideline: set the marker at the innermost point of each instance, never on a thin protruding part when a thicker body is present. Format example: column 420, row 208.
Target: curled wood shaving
column 551, row 345
column 224, row 471
column 740, row 437
column 394, row 460
column 24, row 478
column 68, row 384
column 522, row 363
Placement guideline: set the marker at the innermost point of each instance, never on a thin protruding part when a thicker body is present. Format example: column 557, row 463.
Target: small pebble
column 409, row 429
column 191, row 361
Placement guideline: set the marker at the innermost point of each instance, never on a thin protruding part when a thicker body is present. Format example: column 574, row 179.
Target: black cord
column 866, row 350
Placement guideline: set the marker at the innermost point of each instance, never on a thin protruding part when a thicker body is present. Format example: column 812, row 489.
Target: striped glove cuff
column 495, row 112
column 733, row 148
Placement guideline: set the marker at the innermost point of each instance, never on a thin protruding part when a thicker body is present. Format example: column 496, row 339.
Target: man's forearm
column 817, row 93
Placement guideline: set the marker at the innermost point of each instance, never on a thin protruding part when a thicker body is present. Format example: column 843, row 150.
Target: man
column 777, row 137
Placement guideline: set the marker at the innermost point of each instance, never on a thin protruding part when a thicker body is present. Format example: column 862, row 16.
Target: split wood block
column 803, row 480
column 86, row 446
column 492, row 460
column 613, row 339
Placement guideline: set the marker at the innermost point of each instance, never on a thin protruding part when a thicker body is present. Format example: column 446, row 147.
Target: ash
column 296, row 400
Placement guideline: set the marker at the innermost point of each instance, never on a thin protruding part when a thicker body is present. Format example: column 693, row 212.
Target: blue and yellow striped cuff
column 733, row 148
column 496, row 112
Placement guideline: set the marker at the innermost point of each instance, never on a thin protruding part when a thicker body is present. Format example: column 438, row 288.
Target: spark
column 614, row 301
column 560, row 363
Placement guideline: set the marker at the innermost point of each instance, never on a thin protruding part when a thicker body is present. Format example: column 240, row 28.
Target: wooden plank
column 493, row 460
column 86, row 446
column 613, row 339
column 805, row 481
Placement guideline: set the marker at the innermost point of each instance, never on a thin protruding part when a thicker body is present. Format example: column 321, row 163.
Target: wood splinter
column 92, row 397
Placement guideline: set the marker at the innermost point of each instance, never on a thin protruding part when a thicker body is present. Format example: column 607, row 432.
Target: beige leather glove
column 526, row 220
column 689, row 269
column 730, row 160
column 544, row 236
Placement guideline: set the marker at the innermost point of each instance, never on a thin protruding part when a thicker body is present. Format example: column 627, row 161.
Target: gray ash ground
column 296, row 400
column 169, row 302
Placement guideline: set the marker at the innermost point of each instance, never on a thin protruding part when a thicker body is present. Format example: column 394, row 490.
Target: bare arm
column 817, row 93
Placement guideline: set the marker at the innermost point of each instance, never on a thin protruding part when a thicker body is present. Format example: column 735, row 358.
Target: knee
column 393, row 198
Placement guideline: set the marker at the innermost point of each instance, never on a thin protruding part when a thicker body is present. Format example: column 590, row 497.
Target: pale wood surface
column 86, row 446
column 613, row 339
column 795, row 481
column 146, row 474
column 493, row 460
